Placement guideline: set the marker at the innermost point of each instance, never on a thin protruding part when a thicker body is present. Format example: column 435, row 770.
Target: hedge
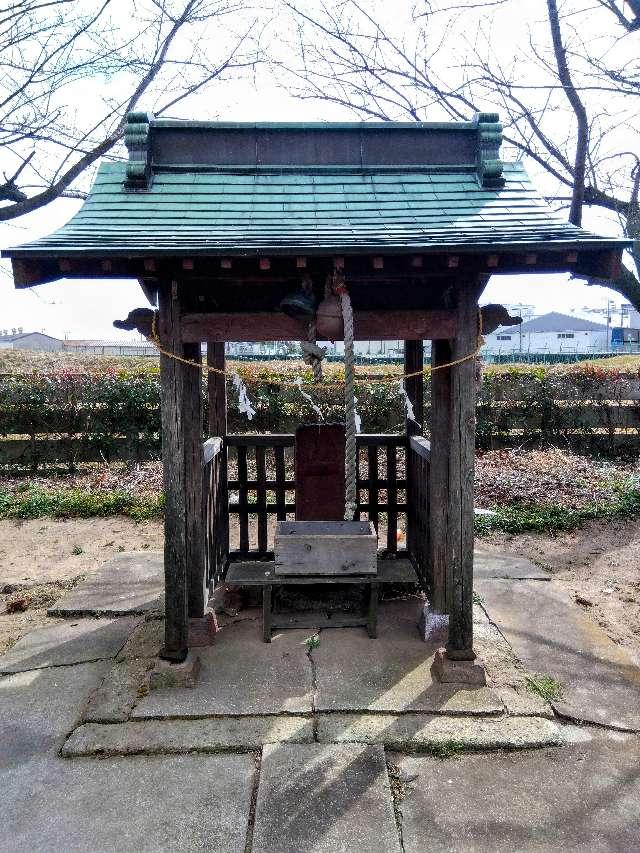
column 116, row 412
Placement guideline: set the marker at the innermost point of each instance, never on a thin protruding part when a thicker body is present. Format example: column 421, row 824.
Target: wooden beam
column 268, row 326
column 182, row 463
column 461, row 474
column 198, row 589
column 414, row 361
column 217, row 426
column 439, row 472
column 414, row 386
column 175, row 545
column 217, row 390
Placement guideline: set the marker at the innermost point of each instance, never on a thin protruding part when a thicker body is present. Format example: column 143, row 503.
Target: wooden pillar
column 193, row 493
column 461, row 476
column 181, row 403
column 217, row 391
column 217, row 427
column 439, row 473
column 413, row 361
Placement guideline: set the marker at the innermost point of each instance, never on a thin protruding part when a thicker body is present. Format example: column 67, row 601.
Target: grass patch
column 549, row 518
column 312, row 642
column 447, row 749
column 36, row 502
column 545, row 686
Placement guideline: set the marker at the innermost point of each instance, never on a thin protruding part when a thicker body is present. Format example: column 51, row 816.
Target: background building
column 552, row 333
column 17, row 339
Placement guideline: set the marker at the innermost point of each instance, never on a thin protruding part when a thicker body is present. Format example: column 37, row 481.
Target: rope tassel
column 244, row 403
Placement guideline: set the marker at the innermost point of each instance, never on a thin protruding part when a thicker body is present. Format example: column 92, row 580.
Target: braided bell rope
column 350, row 449
column 316, row 363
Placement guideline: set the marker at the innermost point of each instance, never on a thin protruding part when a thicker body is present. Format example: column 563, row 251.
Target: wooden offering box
column 325, row 548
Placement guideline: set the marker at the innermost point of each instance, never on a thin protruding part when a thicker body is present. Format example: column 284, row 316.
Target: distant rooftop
column 555, row 322
column 17, row 336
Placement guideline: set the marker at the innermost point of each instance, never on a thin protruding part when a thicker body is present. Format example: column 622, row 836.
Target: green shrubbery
column 35, row 502
column 115, row 413
column 549, row 518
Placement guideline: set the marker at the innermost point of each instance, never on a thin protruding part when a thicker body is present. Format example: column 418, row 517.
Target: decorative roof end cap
column 489, row 164
column 136, row 139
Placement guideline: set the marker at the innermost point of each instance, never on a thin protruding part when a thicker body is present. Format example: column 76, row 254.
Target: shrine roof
column 219, row 189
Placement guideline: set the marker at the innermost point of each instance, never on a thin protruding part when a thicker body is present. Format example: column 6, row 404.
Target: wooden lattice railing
column 261, row 489
column 382, row 487
column 418, row 462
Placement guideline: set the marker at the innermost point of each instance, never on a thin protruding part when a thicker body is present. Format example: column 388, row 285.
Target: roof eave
column 596, row 260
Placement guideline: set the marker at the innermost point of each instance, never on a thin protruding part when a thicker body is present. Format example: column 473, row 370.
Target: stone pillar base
column 203, row 629
column 449, row 671
column 433, row 626
column 166, row 674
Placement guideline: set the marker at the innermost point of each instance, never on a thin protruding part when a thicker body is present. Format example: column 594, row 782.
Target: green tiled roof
column 272, row 210
column 215, row 188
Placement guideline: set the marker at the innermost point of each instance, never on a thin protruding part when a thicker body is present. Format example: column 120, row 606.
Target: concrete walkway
column 343, row 746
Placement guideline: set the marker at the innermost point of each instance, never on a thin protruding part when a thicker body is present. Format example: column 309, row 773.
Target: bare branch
column 51, row 49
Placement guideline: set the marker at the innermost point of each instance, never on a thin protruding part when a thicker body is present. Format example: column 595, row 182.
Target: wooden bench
column 262, row 574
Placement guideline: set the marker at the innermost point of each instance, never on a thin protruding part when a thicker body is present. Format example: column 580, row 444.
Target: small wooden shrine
column 220, row 223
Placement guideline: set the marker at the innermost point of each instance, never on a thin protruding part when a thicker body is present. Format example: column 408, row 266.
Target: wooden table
column 259, row 573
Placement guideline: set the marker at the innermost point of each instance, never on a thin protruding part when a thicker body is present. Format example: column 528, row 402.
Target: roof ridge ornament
column 489, row 164
column 136, row 138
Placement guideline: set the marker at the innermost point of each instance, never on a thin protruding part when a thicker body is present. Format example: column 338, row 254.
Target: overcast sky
column 86, row 309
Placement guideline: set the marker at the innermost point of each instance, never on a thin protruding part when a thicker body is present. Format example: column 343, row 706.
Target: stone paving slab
column 391, row 673
column 422, row 731
column 579, row 799
column 551, row 635
column 145, row 642
column 241, row 675
column 176, row 736
column 494, row 564
column 324, row 799
column 144, row 803
column 122, row 687
column 67, row 643
column 129, row 583
column 37, row 710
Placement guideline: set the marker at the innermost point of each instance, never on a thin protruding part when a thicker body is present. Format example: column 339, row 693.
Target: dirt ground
column 41, row 559
column 599, row 564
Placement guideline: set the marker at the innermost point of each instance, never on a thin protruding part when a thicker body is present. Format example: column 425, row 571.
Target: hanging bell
column 299, row 305
column 329, row 324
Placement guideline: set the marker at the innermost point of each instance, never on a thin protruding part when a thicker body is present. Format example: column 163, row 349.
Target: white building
column 550, row 333
column 17, row 339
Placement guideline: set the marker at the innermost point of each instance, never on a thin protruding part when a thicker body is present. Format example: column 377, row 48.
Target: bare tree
column 70, row 70
column 569, row 101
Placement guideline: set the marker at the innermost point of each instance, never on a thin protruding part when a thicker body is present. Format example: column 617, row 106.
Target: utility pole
column 610, row 302
column 520, row 325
